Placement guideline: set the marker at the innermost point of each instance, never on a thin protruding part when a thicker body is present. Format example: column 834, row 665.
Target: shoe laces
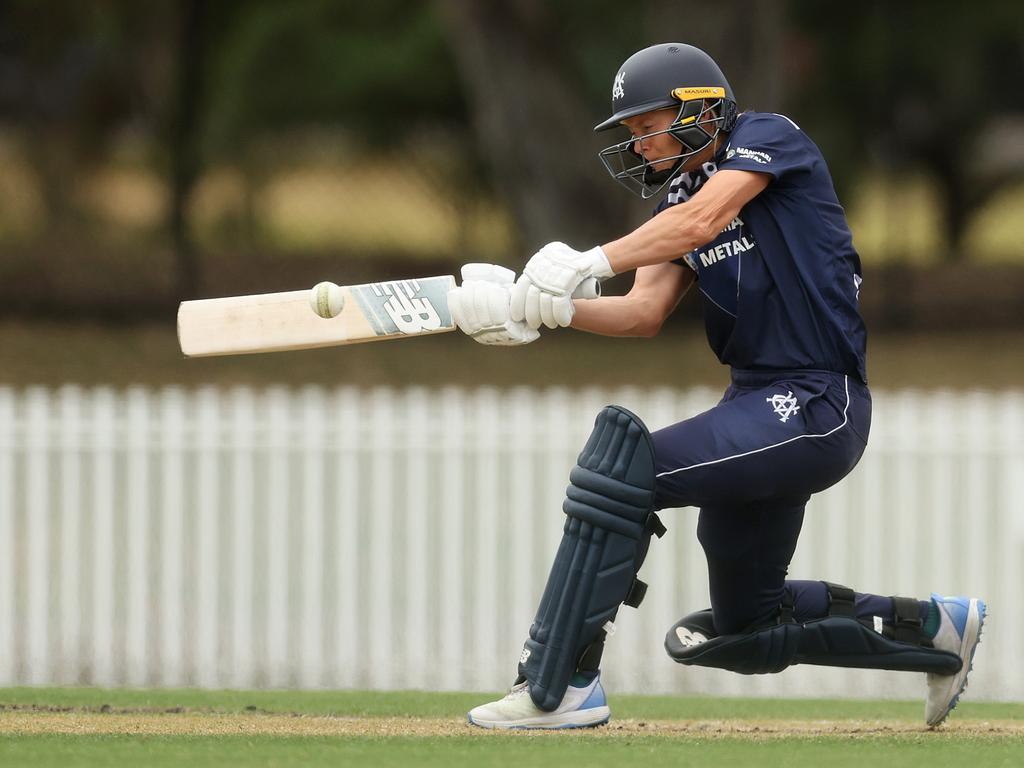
column 517, row 690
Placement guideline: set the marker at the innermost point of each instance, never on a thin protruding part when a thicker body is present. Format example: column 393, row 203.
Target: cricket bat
column 278, row 322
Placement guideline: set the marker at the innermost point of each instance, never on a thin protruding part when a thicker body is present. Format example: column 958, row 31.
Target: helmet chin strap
column 653, row 178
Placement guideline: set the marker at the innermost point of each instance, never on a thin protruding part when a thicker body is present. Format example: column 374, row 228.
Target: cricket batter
column 751, row 218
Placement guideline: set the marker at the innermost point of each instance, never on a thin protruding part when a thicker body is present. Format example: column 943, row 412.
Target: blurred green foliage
column 197, row 130
column 919, row 86
column 378, row 69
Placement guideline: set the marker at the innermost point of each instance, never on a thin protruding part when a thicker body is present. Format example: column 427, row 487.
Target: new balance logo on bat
column 404, row 306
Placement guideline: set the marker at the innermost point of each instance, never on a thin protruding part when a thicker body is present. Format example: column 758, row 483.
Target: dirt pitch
column 42, row 720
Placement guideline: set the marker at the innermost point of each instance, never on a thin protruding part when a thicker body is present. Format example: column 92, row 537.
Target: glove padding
column 543, row 293
column 480, row 307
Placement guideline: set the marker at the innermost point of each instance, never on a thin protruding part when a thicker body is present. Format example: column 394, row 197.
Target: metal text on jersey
column 784, row 405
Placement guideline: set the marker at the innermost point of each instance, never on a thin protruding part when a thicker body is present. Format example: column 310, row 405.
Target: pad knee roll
column 609, row 509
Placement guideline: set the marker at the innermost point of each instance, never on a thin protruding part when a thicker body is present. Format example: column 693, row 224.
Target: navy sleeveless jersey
column 781, row 281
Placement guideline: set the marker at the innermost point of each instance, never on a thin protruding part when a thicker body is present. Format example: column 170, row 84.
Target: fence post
column 313, row 441
column 451, row 624
column 380, row 535
column 72, row 584
column 104, row 549
column 206, row 557
column 8, row 617
column 278, row 615
column 242, row 444
column 137, row 509
column 348, row 579
column 171, row 632
column 37, row 563
column 418, row 514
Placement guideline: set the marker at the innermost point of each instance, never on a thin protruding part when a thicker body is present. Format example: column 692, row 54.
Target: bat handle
column 588, row 289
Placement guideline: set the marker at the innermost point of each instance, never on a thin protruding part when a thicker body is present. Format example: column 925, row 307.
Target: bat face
column 274, row 322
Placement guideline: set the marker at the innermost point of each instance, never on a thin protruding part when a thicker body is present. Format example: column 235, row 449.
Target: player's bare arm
column 542, row 295
column 684, row 227
column 656, row 292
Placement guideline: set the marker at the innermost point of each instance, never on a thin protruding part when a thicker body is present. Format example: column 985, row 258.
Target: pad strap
column 655, row 526
column 636, row 593
column 590, row 661
column 786, row 608
column 907, row 625
column 841, row 600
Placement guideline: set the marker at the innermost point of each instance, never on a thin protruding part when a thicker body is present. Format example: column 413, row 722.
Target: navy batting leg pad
column 834, row 641
column 610, row 517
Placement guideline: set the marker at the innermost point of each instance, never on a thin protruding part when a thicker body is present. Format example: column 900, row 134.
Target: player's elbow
column 648, row 319
column 700, row 224
column 649, row 330
column 704, row 229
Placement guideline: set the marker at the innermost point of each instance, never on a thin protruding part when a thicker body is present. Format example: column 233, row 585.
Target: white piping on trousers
column 846, row 418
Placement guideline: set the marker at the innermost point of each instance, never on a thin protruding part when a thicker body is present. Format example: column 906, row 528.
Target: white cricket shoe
column 580, row 708
column 959, row 632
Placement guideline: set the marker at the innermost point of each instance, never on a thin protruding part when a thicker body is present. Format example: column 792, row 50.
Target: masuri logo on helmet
column 706, row 92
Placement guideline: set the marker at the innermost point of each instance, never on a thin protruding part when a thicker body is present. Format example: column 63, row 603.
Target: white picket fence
column 400, row 538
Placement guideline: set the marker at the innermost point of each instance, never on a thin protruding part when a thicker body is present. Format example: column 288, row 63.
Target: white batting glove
column 543, row 293
column 479, row 307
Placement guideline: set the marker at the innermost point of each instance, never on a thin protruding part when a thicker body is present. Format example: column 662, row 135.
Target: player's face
column 661, row 154
column 650, row 141
column 661, row 145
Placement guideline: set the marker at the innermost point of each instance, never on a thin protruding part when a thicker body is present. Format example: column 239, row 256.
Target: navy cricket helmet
column 669, row 75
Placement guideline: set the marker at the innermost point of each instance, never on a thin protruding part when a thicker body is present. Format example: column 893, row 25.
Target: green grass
column 444, row 704
column 565, row 751
column 465, row 747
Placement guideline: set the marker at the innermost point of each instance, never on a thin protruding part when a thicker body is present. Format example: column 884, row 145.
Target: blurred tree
column 378, row 68
column 515, row 87
column 531, row 117
column 538, row 77
column 253, row 69
column 193, row 41
column 919, row 85
column 745, row 37
column 208, row 81
column 69, row 77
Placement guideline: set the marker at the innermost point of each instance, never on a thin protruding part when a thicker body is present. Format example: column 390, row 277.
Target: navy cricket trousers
column 750, row 464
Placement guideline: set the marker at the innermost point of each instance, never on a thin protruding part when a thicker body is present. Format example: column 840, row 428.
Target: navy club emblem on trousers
column 783, row 405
